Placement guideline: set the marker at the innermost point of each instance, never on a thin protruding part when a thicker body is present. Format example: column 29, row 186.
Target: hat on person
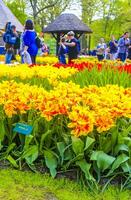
column 71, row 33
column 29, row 24
column 29, row 21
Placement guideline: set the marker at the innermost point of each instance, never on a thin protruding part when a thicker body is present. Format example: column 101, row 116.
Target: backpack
column 8, row 38
column 17, row 43
column 78, row 46
column 38, row 42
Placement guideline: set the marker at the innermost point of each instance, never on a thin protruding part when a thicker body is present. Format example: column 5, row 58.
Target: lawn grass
column 17, row 185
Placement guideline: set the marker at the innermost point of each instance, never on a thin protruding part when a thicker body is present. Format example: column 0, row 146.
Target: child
column 44, row 50
column 62, row 51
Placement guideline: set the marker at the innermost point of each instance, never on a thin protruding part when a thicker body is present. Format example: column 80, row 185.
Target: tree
column 42, row 12
column 48, row 7
column 48, row 15
column 18, row 8
column 89, row 11
column 107, row 17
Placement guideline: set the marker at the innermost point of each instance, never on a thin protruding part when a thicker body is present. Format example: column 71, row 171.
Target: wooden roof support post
column 57, row 38
column 57, row 43
column 78, row 35
column 54, row 36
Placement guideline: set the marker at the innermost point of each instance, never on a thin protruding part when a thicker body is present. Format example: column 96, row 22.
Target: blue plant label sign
column 23, row 129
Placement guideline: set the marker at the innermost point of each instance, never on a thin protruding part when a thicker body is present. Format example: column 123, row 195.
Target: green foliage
column 101, row 78
column 106, row 18
column 59, row 150
column 89, row 142
column 12, row 161
column 77, row 145
column 104, row 161
column 49, row 10
column 122, row 158
column 51, row 42
column 51, row 162
column 30, row 154
column 85, row 167
column 18, row 8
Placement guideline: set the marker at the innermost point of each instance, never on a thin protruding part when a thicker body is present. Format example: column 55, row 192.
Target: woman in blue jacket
column 29, row 39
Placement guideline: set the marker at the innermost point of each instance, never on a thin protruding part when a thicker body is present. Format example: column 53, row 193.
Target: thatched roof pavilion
column 7, row 16
column 65, row 23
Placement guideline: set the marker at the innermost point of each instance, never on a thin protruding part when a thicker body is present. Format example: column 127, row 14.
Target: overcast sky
column 74, row 8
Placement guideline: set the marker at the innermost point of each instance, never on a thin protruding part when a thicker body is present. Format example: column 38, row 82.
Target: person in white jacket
column 101, row 47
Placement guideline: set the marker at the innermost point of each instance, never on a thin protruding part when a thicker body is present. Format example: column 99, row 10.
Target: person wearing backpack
column 29, row 39
column 9, row 38
column 17, row 43
column 72, row 44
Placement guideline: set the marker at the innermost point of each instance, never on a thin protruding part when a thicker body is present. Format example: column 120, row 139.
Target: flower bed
column 81, row 121
column 82, row 73
column 23, row 72
column 86, row 107
column 82, row 64
column 85, row 127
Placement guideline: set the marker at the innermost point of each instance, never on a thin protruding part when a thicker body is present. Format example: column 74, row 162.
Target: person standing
column 123, row 45
column 17, row 43
column 113, row 46
column 22, row 46
column 29, row 39
column 101, row 47
column 71, row 44
column 9, row 38
column 62, row 51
